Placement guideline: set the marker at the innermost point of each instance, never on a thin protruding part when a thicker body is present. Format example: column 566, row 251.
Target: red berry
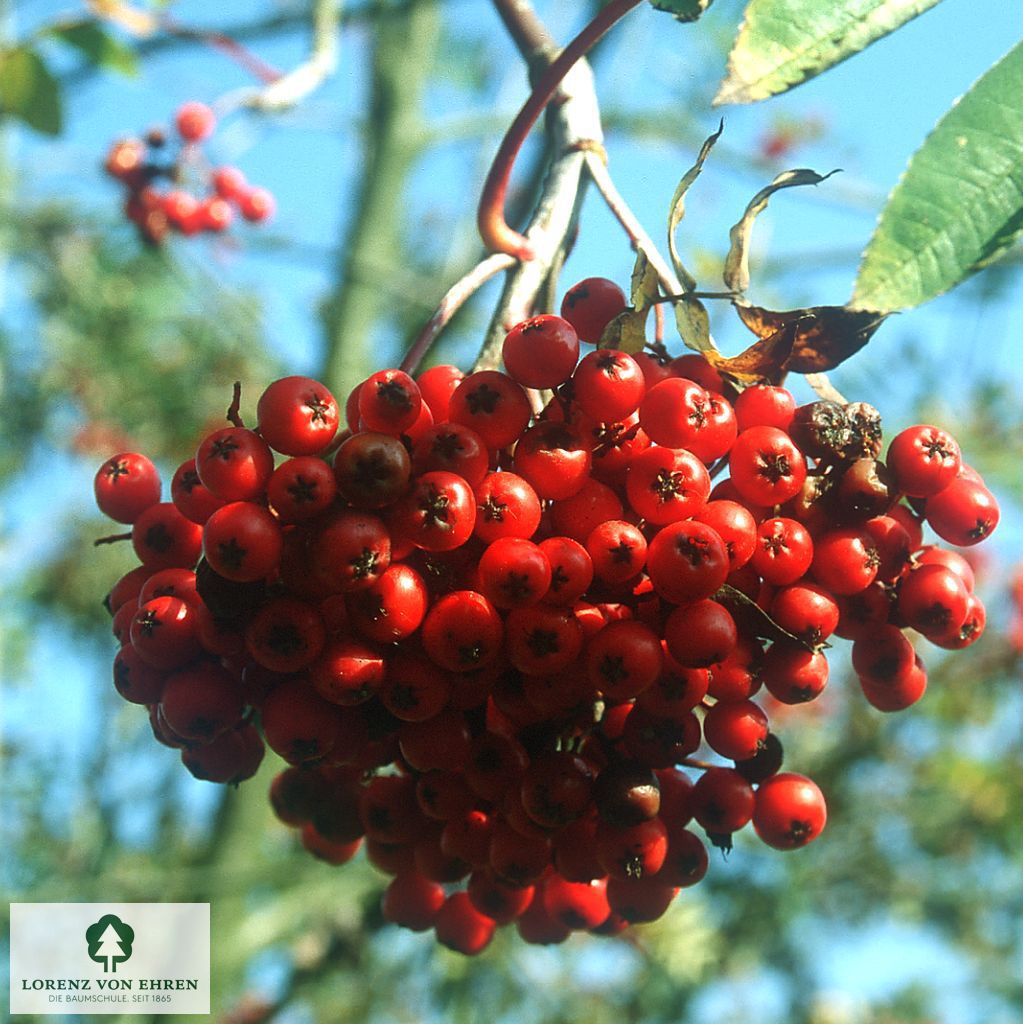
column 923, row 460
column 242, row 542
column 461, row 927
column 608, row 385
column 541, row 352
column 163, row 538
column 493, row 405
column 229, row 183
column 125, row 486
column 297, row 416
column 194, row 121
column 590, row 305
column 389, row 402
column 964, row 513
column 789, row 811
column 256, row 204
column 766, row 466
column 234, row 464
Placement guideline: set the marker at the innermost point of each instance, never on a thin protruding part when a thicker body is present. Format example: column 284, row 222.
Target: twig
column 824, row 388
column 601, row 177
column 240, row 54
column 290, row 89
column 234, row 409
column 112, row 539
column 453, row 300
column 494, row 230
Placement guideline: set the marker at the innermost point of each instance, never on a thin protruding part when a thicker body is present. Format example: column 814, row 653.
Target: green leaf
column 684, row 10
column 29, row 92
column 784, row 42
column 98, row 45
column 736, row 270
column 959, row 204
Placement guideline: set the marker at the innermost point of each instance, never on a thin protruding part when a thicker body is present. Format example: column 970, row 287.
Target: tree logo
column 109, row 942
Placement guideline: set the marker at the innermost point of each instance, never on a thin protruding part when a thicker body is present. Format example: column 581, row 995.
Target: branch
column 641, row 241
column 573, row 124
column 453, row 300
column 527, row 30
column 293, row 87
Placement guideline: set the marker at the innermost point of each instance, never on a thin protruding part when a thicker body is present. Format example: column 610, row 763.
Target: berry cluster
column 210, row 206
column 489, row 637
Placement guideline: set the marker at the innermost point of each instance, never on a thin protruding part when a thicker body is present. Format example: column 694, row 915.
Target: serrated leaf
column 626, row 332
column 959, row 204
column 823, row 336
column 736, row 271
column 678, row 208
column 693, row 324
column 29, row 92
column 684, row 10
column 98, row 46
column 785, row 42
column 643, row 289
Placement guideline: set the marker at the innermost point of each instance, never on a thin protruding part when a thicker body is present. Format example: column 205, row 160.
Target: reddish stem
column 240, row 54
column 494, row 229
column 450, row 304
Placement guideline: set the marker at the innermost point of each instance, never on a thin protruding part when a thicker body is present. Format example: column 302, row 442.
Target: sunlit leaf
column 784, row 42
column 959, row 205
column 764, row 360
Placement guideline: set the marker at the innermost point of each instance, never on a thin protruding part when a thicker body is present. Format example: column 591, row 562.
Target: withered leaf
column 736, row 271
column 678, row 208
column 694, row 325
column 764, row 360
column 643, row 289
column 822, row 336
column 627, row 331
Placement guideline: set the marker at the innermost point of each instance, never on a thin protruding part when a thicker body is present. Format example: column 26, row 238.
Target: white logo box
column 110, row 958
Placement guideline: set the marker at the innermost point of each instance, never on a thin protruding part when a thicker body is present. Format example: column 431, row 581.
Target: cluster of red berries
column 137, row 164
column 489, row 636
